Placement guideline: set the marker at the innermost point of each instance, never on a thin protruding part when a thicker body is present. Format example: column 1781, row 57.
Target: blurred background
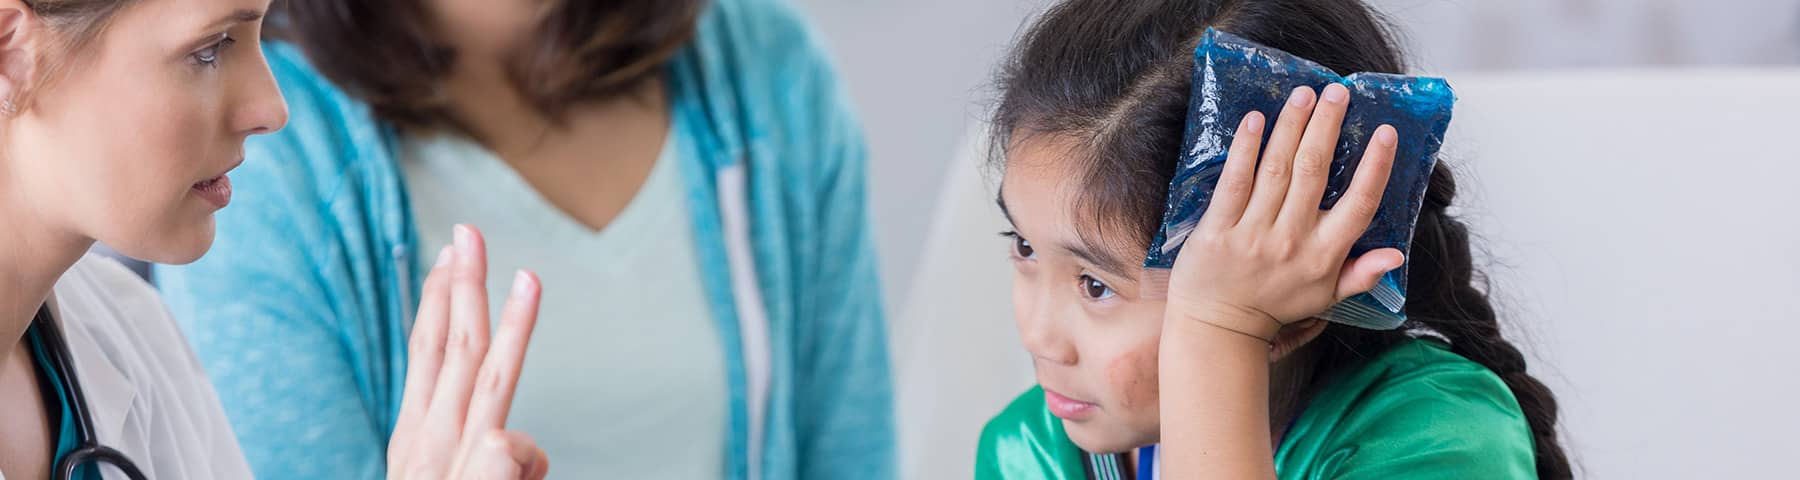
column 1620, row 159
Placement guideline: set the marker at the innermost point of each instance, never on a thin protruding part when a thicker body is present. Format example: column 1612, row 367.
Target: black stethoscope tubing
column 89, row 448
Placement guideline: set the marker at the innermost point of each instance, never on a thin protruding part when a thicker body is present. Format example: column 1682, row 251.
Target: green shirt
column 1417, row 411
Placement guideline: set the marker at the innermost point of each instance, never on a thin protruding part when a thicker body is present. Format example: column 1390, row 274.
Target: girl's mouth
column 1067, row 408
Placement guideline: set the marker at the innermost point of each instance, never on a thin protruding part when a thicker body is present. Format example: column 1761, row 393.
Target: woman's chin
column 177, row 246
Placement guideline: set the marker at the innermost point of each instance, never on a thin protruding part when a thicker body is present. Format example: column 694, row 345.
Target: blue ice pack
column 1233, row 76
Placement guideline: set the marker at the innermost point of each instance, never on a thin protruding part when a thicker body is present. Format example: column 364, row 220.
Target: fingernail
column 521, row 284
column 465, row 245
column 1335, row 93
column 1253, row 123
column 1385, row 136
column 443, row 257
column 1300, row 97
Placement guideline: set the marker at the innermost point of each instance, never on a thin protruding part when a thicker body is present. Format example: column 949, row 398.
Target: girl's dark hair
column 386, row 52
column 1112, row 76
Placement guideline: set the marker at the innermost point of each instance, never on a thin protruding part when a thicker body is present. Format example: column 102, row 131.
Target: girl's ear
column 1294, row 336
column 16, row 62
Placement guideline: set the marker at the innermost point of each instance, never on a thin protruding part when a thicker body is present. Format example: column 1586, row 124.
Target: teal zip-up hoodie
column 301, row 310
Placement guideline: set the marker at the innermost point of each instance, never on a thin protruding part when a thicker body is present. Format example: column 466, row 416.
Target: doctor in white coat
column 119, row 120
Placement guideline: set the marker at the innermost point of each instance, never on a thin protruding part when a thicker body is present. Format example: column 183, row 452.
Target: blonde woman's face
column 1080, row 312
column 130, row 140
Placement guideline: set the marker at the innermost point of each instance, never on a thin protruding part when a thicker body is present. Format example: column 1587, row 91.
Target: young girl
column 1231, row 377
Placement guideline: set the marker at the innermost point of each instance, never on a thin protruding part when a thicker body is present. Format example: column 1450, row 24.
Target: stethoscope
column 89, row 449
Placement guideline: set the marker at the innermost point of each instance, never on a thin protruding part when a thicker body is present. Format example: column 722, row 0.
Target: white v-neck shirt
column 625, row 375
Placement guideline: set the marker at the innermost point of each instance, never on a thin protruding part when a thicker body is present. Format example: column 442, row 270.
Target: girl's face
column 129, row 139
column 1091, row 335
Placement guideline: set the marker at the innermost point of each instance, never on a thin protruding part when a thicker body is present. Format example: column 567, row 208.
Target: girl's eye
column 1021, row 246
column 209, row 56
column 1094, row 288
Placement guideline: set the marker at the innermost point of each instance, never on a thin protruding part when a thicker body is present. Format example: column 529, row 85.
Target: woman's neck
column 486, row 103
column 33, row 255
column 589, row 163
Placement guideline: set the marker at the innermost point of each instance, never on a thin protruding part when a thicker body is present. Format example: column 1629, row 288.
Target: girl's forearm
column 1215, row 400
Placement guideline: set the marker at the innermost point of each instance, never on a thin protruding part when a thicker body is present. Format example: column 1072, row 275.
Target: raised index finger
column 1237, row 178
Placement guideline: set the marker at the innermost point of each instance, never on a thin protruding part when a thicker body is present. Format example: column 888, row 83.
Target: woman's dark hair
column 387, row 54
column 1112, row 76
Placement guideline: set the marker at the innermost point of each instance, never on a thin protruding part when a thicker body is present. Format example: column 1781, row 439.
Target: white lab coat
column 147, row 393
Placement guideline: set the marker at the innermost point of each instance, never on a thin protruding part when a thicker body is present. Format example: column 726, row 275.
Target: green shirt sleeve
column 1418, row 411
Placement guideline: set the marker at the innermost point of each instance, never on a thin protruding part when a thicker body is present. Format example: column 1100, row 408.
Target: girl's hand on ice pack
column 1265, row 255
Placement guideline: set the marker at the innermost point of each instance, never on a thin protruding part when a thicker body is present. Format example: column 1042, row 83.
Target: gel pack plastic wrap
column 1233, row 76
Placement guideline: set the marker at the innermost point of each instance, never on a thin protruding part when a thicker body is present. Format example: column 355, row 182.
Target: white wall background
column 1641, row 251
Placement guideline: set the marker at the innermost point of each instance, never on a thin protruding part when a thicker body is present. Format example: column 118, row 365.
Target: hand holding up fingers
column 460, row 382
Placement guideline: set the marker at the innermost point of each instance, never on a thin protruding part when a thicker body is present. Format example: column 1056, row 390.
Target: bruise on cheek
column 1133, row 377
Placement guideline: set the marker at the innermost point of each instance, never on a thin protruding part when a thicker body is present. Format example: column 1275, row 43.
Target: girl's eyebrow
column 1096, row 256
column 1086, row 251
